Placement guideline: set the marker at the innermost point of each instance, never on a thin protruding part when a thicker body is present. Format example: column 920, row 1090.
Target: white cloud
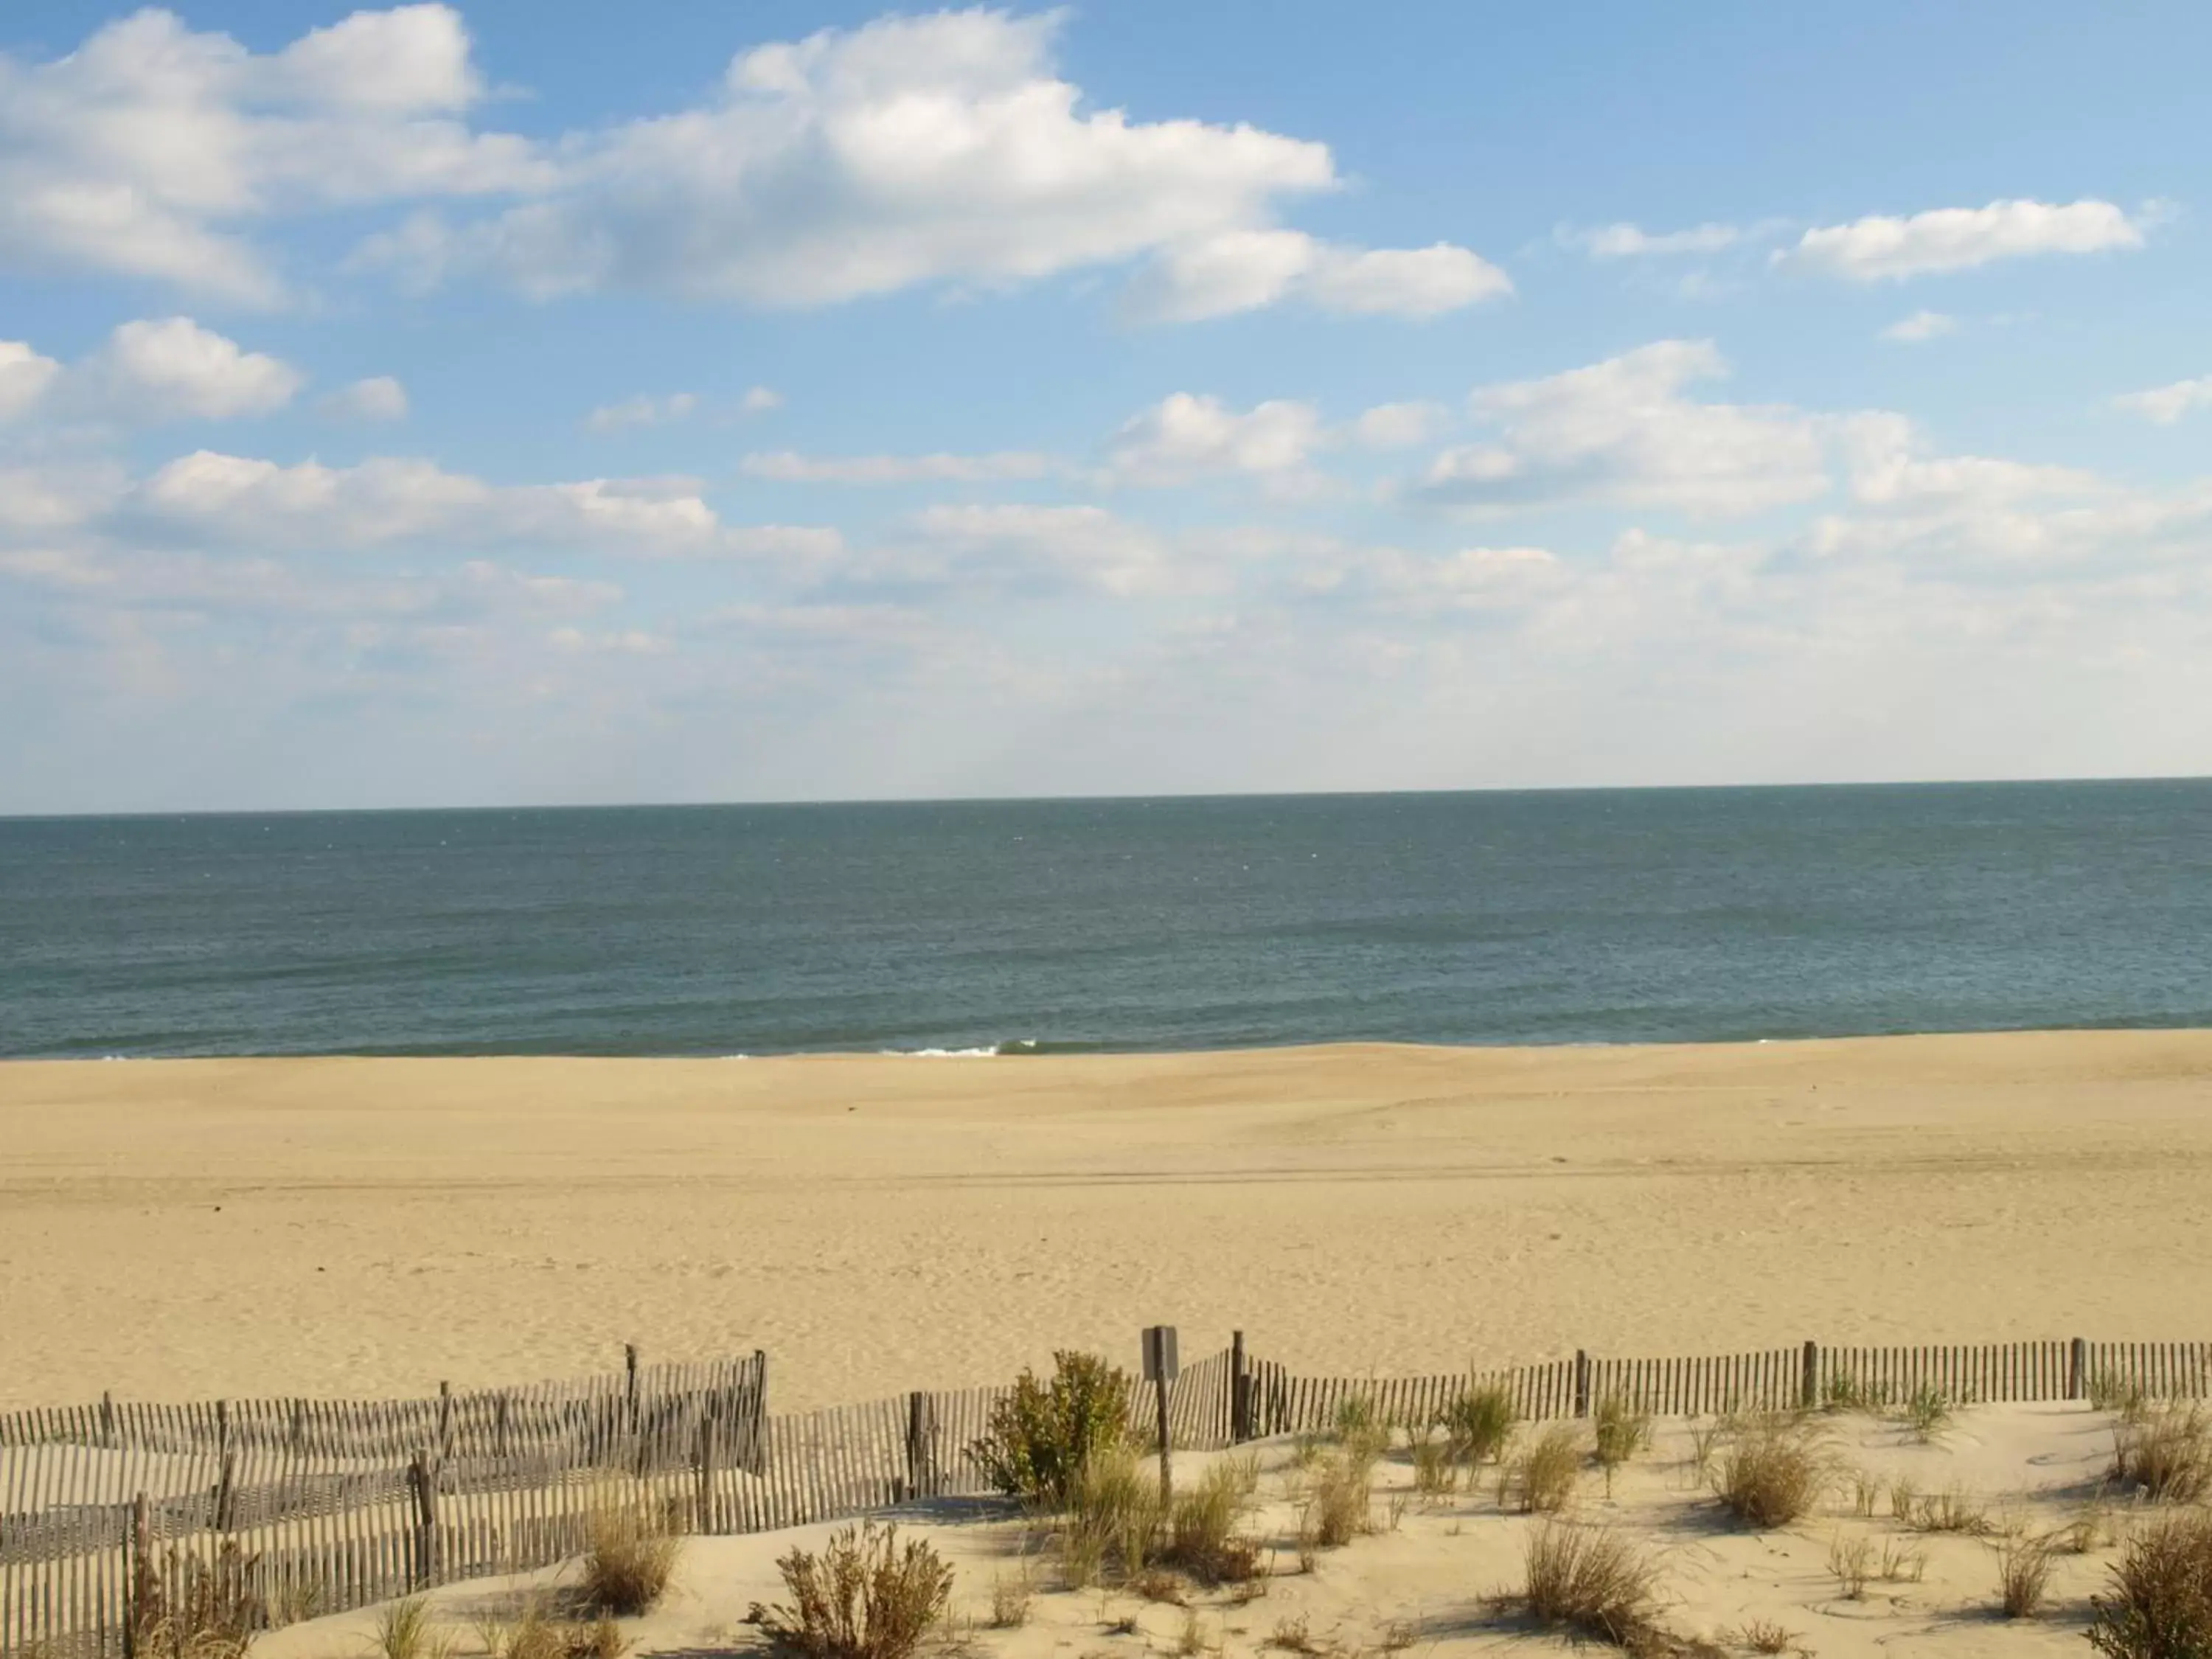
column 787, row 466
column 1184, row 437
column 1919, row 326
column 2166, row 405
column 175, row 368
column 759, row 399
column 1473, row 579
column 1958, row 238
column 917, row 150
column 144, row 152
column 643, row 411
column 1398, row 426
column 1622, row 433
column 1042, row 547
column 229, row 500
column 25, row 378
column 1626, row 242
column 1246, row 268
column 380, row 398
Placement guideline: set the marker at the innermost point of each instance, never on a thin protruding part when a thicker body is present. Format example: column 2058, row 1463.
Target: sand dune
column 366, row 1226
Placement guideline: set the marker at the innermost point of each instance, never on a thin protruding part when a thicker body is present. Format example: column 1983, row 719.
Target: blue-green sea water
column 1601, row 916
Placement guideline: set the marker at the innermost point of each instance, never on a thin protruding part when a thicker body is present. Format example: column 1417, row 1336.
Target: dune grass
column 630, row 1559
column 1541, row 1478
column 1591, row 1581
column 2159, row 1603
column 863, row 1597
column 1773, row 1473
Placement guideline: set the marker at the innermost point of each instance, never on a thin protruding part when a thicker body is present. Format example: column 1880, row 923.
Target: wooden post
column 1809, row 1393
column 445, row 1421
column 423, row 1480
column 1581, row 1383
column 1167, row 1476
column 920, row 1471
column 705, row 1522
column 1240, row 1390
column 499, row 1426
column 225, row 1482
column 629, row 1389
column 107, row 1420
column 142, row 1606
column 756, row 1450
column 2077, row 1370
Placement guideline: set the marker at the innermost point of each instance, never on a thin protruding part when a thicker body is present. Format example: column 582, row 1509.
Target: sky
column 504, row 403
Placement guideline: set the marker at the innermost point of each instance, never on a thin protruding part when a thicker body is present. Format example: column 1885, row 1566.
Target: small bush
column 2159, row 1603
column 1772, row 1475
column 1009, row 1600
column 213, row 1615
column 405, row 1631
column 1202, row 1537
column 1042, row 1435
column 1621, row 1431
column 1294, row 1635
column 1541, row 1479
column 1764, row 1636
column 630, row 1558
column 1435, row 1470
column 2165, row 1453
column 1901, row 1563
column 1904, row 1497
column 1479, row 1423
column 1591, row 1581
column 862, row 1598
column 2023, row 1575
column 531, row 1635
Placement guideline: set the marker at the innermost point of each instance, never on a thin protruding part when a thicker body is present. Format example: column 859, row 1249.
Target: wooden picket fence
column 319, row 1507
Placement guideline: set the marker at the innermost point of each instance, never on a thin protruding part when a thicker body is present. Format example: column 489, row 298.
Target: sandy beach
column 341, row 1226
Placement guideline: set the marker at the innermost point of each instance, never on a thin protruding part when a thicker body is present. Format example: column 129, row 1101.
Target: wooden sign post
column 1160, row 1370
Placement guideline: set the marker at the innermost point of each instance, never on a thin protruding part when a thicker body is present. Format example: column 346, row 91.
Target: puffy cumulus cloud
column 25, row 378
column 1398, row 426
column 174, row 368
column 1920, row 326
column 643, row 411
column 146, row 151
column 760, row 399
column 1623, row 433
column 1185, row 437
column 230, row 501
column 380, row 398
column 1889, row 465
column 789, row 466
column 2163, row 405
column 1245, row 269
column 1958, row 238
column 1394, row 581
column 916, row 150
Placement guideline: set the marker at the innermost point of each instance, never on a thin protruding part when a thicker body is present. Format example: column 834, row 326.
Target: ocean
column 1585, row 917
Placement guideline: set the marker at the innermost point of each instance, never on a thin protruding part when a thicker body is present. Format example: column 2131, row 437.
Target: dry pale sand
column 364, row 1226
column 1422, row 1587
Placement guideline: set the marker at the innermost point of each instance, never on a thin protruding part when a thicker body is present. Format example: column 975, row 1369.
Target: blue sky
column 506, row 404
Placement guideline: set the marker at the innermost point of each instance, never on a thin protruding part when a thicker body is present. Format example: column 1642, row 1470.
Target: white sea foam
column 942, row 1054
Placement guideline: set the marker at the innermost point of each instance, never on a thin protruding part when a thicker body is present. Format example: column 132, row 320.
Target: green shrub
column 1042, row 1435
column 2159, row 1604
column 862, row 1598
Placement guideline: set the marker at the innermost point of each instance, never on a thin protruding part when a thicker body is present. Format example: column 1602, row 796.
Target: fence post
column 107, row 1420
column 1581, row 1383
column 141, row 1594
column 629, row 1383
column 706, row 1519
column 226, row 1481
column 423, row 1479
column 920, row 1473
column 1240, row 1390
column 499, row 1426
column 445, row 1420
column 1809, row 1395
column 756, row 1452
column 2077, row 1369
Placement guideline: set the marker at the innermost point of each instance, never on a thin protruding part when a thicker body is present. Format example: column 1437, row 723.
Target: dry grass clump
column 1340, row 1504
column 628, row 1561
column 1479, row 1423
column 1010, row 1599
column 1926, row 1412
column 1619, row 1431
column 1593, row 1582
column 1772, row 1473
column 1201, row 1526
column 2023, row 1575
column 2165, row 1453
column 1044, row 1433
column 2111, row 1392
column 1764, row 1636
column 213, row 1615
column 1851, row 1559
column 405, row 1631
column 1954, row 1509
column 2159, row 1602
column 1113, row 1516
column 1436, row 1469
column 1540, row 1480
column 862, row 1598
